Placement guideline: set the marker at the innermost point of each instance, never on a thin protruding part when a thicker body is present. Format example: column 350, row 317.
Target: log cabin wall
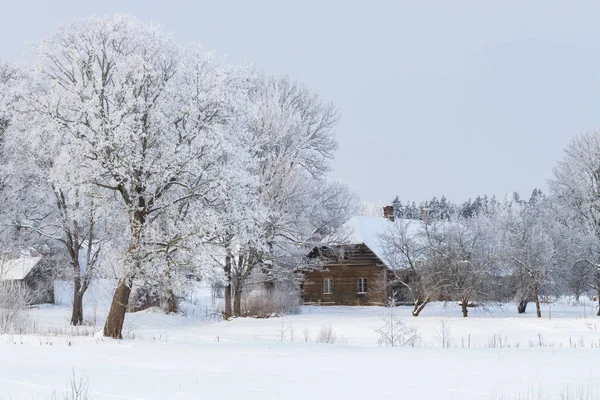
column 345, row 268
column 41, row 283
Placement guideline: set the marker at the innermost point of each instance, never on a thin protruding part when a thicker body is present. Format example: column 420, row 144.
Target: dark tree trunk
column 80, row 285
column 419, row 307
column 522, row 306
column 598, row 289
column 77, row 314
column 254, row 258
column 240, row 280
column 536, row 299
column 269, row 286
column 72, row 243
column 237, row 298
column 465, row 310
column 598, row 313
column 228, row 309
column 171, row 304
column 116, row 316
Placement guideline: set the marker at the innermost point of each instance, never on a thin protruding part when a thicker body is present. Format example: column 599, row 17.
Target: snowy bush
column 78, row 389
column 327, row 335
column 589, row 391
column 277, row 301
column 443, row 333
column 394, row 332
column 14, row 299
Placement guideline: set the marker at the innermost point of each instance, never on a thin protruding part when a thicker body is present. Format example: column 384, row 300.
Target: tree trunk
column 465, row 310
column 598, row 289
column 228, row 310
column 171, row 304
column 415, row 308
column 269, row 286
column 522, row 306
column 536, row 298
column 419, row 307
column 240, row 280
column 77, row 314
column 237, row 298
column 116, row 316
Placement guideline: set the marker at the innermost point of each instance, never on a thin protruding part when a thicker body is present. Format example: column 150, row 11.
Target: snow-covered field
column 493, row 354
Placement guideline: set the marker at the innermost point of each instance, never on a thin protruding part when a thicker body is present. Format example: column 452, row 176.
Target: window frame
column 330, row 287
column 362, row 283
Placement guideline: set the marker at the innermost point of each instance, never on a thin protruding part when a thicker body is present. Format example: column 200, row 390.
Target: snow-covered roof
column 369, row 230
column 17, row 268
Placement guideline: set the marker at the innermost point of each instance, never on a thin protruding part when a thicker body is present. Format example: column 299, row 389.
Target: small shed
column 355, row 273
column 31, row 273
column 359, row 271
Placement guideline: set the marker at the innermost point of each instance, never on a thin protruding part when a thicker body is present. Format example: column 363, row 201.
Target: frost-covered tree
column 47, row 202
column 576, row 187
column 481, row 204
column 394, row 332
column 224, row 205
column 406, row 245
column 464, row 253
column 11, row 78
column 531, row 249
column 144, row 122
column 292, row 132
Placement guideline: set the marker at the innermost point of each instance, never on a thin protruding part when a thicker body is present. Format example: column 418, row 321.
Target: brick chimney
column 388, row 212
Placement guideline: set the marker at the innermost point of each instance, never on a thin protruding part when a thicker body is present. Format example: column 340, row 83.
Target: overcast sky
column 445, row 97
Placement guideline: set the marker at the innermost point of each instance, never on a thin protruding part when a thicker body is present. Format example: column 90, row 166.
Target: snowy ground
column 178, row 357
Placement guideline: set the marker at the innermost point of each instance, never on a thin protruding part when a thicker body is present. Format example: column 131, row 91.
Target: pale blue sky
column 437, row 97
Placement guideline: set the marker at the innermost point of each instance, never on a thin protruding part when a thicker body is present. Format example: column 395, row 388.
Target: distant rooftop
column 17, row 268
column 368, row 231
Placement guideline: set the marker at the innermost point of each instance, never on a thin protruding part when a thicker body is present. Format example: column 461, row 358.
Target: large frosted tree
column 576, row 186
column 47, row 202
column 531, row 248
column 408, row 246
column 144, row 123
column 464, row 253
column 11, row 77
column 292, row 132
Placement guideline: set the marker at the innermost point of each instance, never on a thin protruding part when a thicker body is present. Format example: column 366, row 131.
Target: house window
column 328, row 286
column 362, row 285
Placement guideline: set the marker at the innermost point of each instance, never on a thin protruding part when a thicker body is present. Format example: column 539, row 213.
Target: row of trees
column 442, row 208
column 513, row 249
column 156, row 163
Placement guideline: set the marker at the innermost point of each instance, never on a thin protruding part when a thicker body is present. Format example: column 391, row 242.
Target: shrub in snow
column 144, row 296
column 443, row 333
column 394, row 332
column 78, row 389
column 281, row 300
column 14, row 300
column 327, row 335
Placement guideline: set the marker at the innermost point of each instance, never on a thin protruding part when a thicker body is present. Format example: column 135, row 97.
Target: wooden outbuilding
column 353, row 273
column 32, row 274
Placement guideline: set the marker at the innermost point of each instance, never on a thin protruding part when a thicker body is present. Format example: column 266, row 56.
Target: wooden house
column 351, row 275
column 30, row 272
column 356, row 272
